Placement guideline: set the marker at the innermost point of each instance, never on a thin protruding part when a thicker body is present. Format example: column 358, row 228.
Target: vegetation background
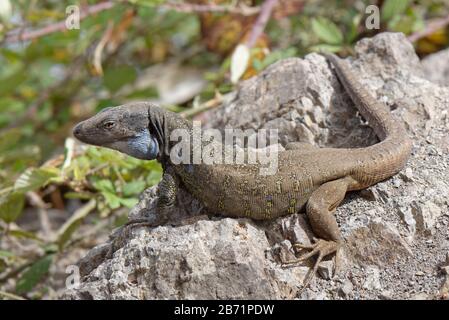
column 59, row 198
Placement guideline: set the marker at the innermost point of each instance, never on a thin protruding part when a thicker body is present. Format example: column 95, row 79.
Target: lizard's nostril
column 77, row 130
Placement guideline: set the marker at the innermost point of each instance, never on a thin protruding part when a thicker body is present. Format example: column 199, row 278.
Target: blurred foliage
column 126, row 53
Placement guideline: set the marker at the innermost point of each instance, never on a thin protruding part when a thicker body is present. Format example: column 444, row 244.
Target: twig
column 36, row 200
column 261, row 22
column 42, row 207
column 99, row 49
column 432, row 27
column 11, row 296
column 24, row 35
column 93, row 170
column 202, row 108
column 77, row 216
column 91, row 232
column 240, row 9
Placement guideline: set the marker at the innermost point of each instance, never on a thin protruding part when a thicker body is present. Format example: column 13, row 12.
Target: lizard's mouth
column 84, row 133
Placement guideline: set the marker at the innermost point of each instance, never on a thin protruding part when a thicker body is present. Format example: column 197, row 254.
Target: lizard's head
column 124, row 128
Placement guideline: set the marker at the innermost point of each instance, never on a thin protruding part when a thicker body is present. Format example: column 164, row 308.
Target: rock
column 211, row 257
column 296, row 228
column 325, row 269
column 407, row 217
column 386, row 295
column 444, row 291
column 377, row 243
column 420, row 296
column 346, row 288
column 316, row 295
column 445, row 266
column 372, row 281
column 284, row 251
column 370, row 194
column 436, row 67
column 407, row 175
column 426, row 215
column 224, row 260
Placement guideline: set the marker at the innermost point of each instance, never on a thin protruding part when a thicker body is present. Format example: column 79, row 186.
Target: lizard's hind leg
column 320, row 210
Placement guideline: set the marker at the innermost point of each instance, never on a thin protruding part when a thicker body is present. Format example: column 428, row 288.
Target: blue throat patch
column 143, row 146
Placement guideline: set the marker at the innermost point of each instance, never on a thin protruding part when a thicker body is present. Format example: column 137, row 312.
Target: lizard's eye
column 109, row 124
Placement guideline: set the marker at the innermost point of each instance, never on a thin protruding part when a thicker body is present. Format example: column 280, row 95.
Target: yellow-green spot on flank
column 221, row 205
column 279, row 186
column 292, row 206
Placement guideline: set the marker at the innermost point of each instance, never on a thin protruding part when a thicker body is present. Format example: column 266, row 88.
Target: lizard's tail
column 388, row 157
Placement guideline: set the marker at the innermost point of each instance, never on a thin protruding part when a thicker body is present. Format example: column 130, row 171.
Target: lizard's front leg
column 320, row 210
column 167, row 191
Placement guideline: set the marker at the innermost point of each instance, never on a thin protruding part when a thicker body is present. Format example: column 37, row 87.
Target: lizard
column 308, row 178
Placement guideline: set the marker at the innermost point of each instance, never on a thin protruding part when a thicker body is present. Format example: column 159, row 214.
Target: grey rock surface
column 397, row 232
column 436, row 67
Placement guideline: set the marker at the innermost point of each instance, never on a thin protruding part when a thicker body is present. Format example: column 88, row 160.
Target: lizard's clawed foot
column 320, row 248
column 140, row 223
column 136, row 223
column 161, row 218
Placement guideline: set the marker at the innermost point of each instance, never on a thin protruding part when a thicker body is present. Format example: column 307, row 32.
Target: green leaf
column 111, row 199
column 129, row 202
column 104, row 185
column 8, row 139
column 353, row 28
column 274, row 56
column 33, row 274
column 67, row 229
column 80, row 167
column 6, row 254
column 154, row 177
column 133, row 188
column 392, row 8
column 11, row 206
column 33, row 179
column 327, row 31
column 20, row 233
column 121, row 220
column 152, row 165
column 115, row 78
column 50, row 248
column 10, row 83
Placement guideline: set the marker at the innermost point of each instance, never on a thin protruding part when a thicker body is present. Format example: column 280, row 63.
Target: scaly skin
column 309, row 177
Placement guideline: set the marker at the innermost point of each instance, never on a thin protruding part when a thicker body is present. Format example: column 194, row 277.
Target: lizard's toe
column 321, row 248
